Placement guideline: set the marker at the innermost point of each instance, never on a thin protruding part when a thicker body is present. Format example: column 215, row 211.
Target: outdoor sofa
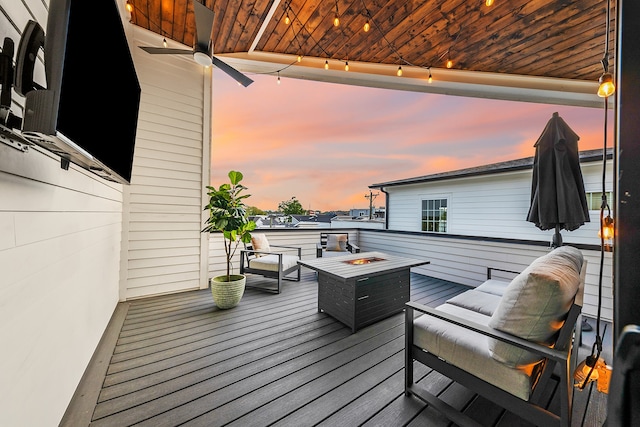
column 503, row 339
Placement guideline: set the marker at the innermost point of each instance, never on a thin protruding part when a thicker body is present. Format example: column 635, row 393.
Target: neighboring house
column 490, row 200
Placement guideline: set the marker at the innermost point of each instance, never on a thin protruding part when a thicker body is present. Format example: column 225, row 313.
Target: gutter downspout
column 386, row 208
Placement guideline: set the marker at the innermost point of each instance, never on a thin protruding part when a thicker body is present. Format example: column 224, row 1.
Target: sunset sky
column 326, row 143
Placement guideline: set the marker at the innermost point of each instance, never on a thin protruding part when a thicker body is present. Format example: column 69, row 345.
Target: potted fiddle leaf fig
column 228, row 214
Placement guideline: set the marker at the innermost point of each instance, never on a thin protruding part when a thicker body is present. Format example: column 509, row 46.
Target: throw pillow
column 260, row 243
column 535, row 304
column 337, row 242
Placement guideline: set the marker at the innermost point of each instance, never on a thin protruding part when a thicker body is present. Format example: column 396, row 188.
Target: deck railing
column 460, row 259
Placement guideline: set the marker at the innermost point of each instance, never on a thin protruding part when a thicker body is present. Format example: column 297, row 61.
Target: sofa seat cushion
column 481, row 302
column 535, row 303
column 493, row 286
column 270, row 262
column 469, row 350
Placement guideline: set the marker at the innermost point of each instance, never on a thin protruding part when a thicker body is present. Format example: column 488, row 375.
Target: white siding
column 491, row 206
column 163, row 209
column 59, row 253
column 72, row 244
column 60, row 237
column 465, row 261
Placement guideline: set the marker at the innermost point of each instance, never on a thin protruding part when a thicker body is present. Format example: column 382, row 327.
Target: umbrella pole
column 557, row 238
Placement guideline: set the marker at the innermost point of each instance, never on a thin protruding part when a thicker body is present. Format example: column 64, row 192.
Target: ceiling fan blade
column 237, row 75
column 204, row 25
column 165, row 50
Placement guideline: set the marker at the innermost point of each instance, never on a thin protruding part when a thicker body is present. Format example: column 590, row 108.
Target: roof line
column 586, row 156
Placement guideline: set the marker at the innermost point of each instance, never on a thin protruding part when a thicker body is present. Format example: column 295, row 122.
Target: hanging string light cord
column 597, row 345
column 392, row 47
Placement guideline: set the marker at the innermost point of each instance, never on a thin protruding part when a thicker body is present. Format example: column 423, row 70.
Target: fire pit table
column 360, row 289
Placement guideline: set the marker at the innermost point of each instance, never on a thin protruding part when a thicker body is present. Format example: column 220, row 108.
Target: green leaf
column 235, row 177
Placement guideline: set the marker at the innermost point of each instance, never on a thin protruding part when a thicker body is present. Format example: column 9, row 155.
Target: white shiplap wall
column 163, row 209
column 72, row 244
column 491, row 206
column 60, row 237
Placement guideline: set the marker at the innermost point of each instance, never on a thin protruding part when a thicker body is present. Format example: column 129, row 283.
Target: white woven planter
column 227, row 294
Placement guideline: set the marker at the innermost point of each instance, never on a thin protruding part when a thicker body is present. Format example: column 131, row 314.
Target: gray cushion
column 493, row 286
column 469, row 350
column 536, row 302
column 474, row 300
column 270, row 262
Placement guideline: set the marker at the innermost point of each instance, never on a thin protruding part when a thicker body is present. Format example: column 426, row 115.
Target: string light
column 299, row 58
column 488, row 3
column 278, row 77
column 399, row 72
column 449, row 63
column 326, row 64
column 287, row 20
column 430, row 77
column 346, row 66
column 366, row 27
column 128, row 6
column 164, row 42
column 336, row 20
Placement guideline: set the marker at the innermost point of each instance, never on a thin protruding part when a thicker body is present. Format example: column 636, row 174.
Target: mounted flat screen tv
column 88, row 113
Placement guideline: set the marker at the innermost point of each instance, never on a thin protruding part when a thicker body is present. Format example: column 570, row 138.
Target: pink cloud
column 326, row 143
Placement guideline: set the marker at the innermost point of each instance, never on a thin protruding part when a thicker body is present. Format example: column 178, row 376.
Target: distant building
column 490, row 200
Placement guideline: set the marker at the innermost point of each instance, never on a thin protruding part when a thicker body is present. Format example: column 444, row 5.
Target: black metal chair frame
column 320, row 246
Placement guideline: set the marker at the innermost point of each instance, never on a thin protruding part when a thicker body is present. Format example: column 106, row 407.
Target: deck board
column 275, row 360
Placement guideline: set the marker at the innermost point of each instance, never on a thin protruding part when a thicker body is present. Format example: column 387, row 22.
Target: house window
column 594, row 200
column 434, row 215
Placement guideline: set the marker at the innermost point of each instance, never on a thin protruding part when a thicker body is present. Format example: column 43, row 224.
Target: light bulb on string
column 336, row 21
column 367, row 26
column 449, row 63
column 606, row 88
column 488, row 3
column 278, row 77
column 326, row 64
column 346, row 66
column 430, row 80
column 164, row 42
column 399, row 72
column 287, row 20
column 299, row 58
column 128, row 6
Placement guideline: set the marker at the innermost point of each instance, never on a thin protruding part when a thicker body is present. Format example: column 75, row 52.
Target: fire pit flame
column 362, row 261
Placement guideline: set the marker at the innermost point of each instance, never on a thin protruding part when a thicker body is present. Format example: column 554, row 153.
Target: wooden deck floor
column 272, row 360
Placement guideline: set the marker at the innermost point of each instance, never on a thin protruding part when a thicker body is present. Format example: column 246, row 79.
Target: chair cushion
column 480, row 302
column 535, row 303
column 270, row 262
column 337, row 242
column 260, row 243
column 469, row 350
column 493, row 286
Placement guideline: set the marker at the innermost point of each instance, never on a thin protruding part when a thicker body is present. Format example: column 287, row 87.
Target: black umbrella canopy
column 558, row 199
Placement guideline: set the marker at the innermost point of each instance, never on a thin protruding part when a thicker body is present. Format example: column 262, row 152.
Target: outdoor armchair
column 272, row 261
column 335, row 244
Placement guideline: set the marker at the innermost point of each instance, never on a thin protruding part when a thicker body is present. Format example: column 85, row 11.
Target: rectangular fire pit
column 361, row 289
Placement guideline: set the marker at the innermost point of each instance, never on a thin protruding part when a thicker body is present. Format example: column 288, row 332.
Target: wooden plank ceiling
column 549, row 38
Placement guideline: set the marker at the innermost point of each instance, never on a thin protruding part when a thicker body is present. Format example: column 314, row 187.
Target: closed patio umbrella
column 558, row 199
